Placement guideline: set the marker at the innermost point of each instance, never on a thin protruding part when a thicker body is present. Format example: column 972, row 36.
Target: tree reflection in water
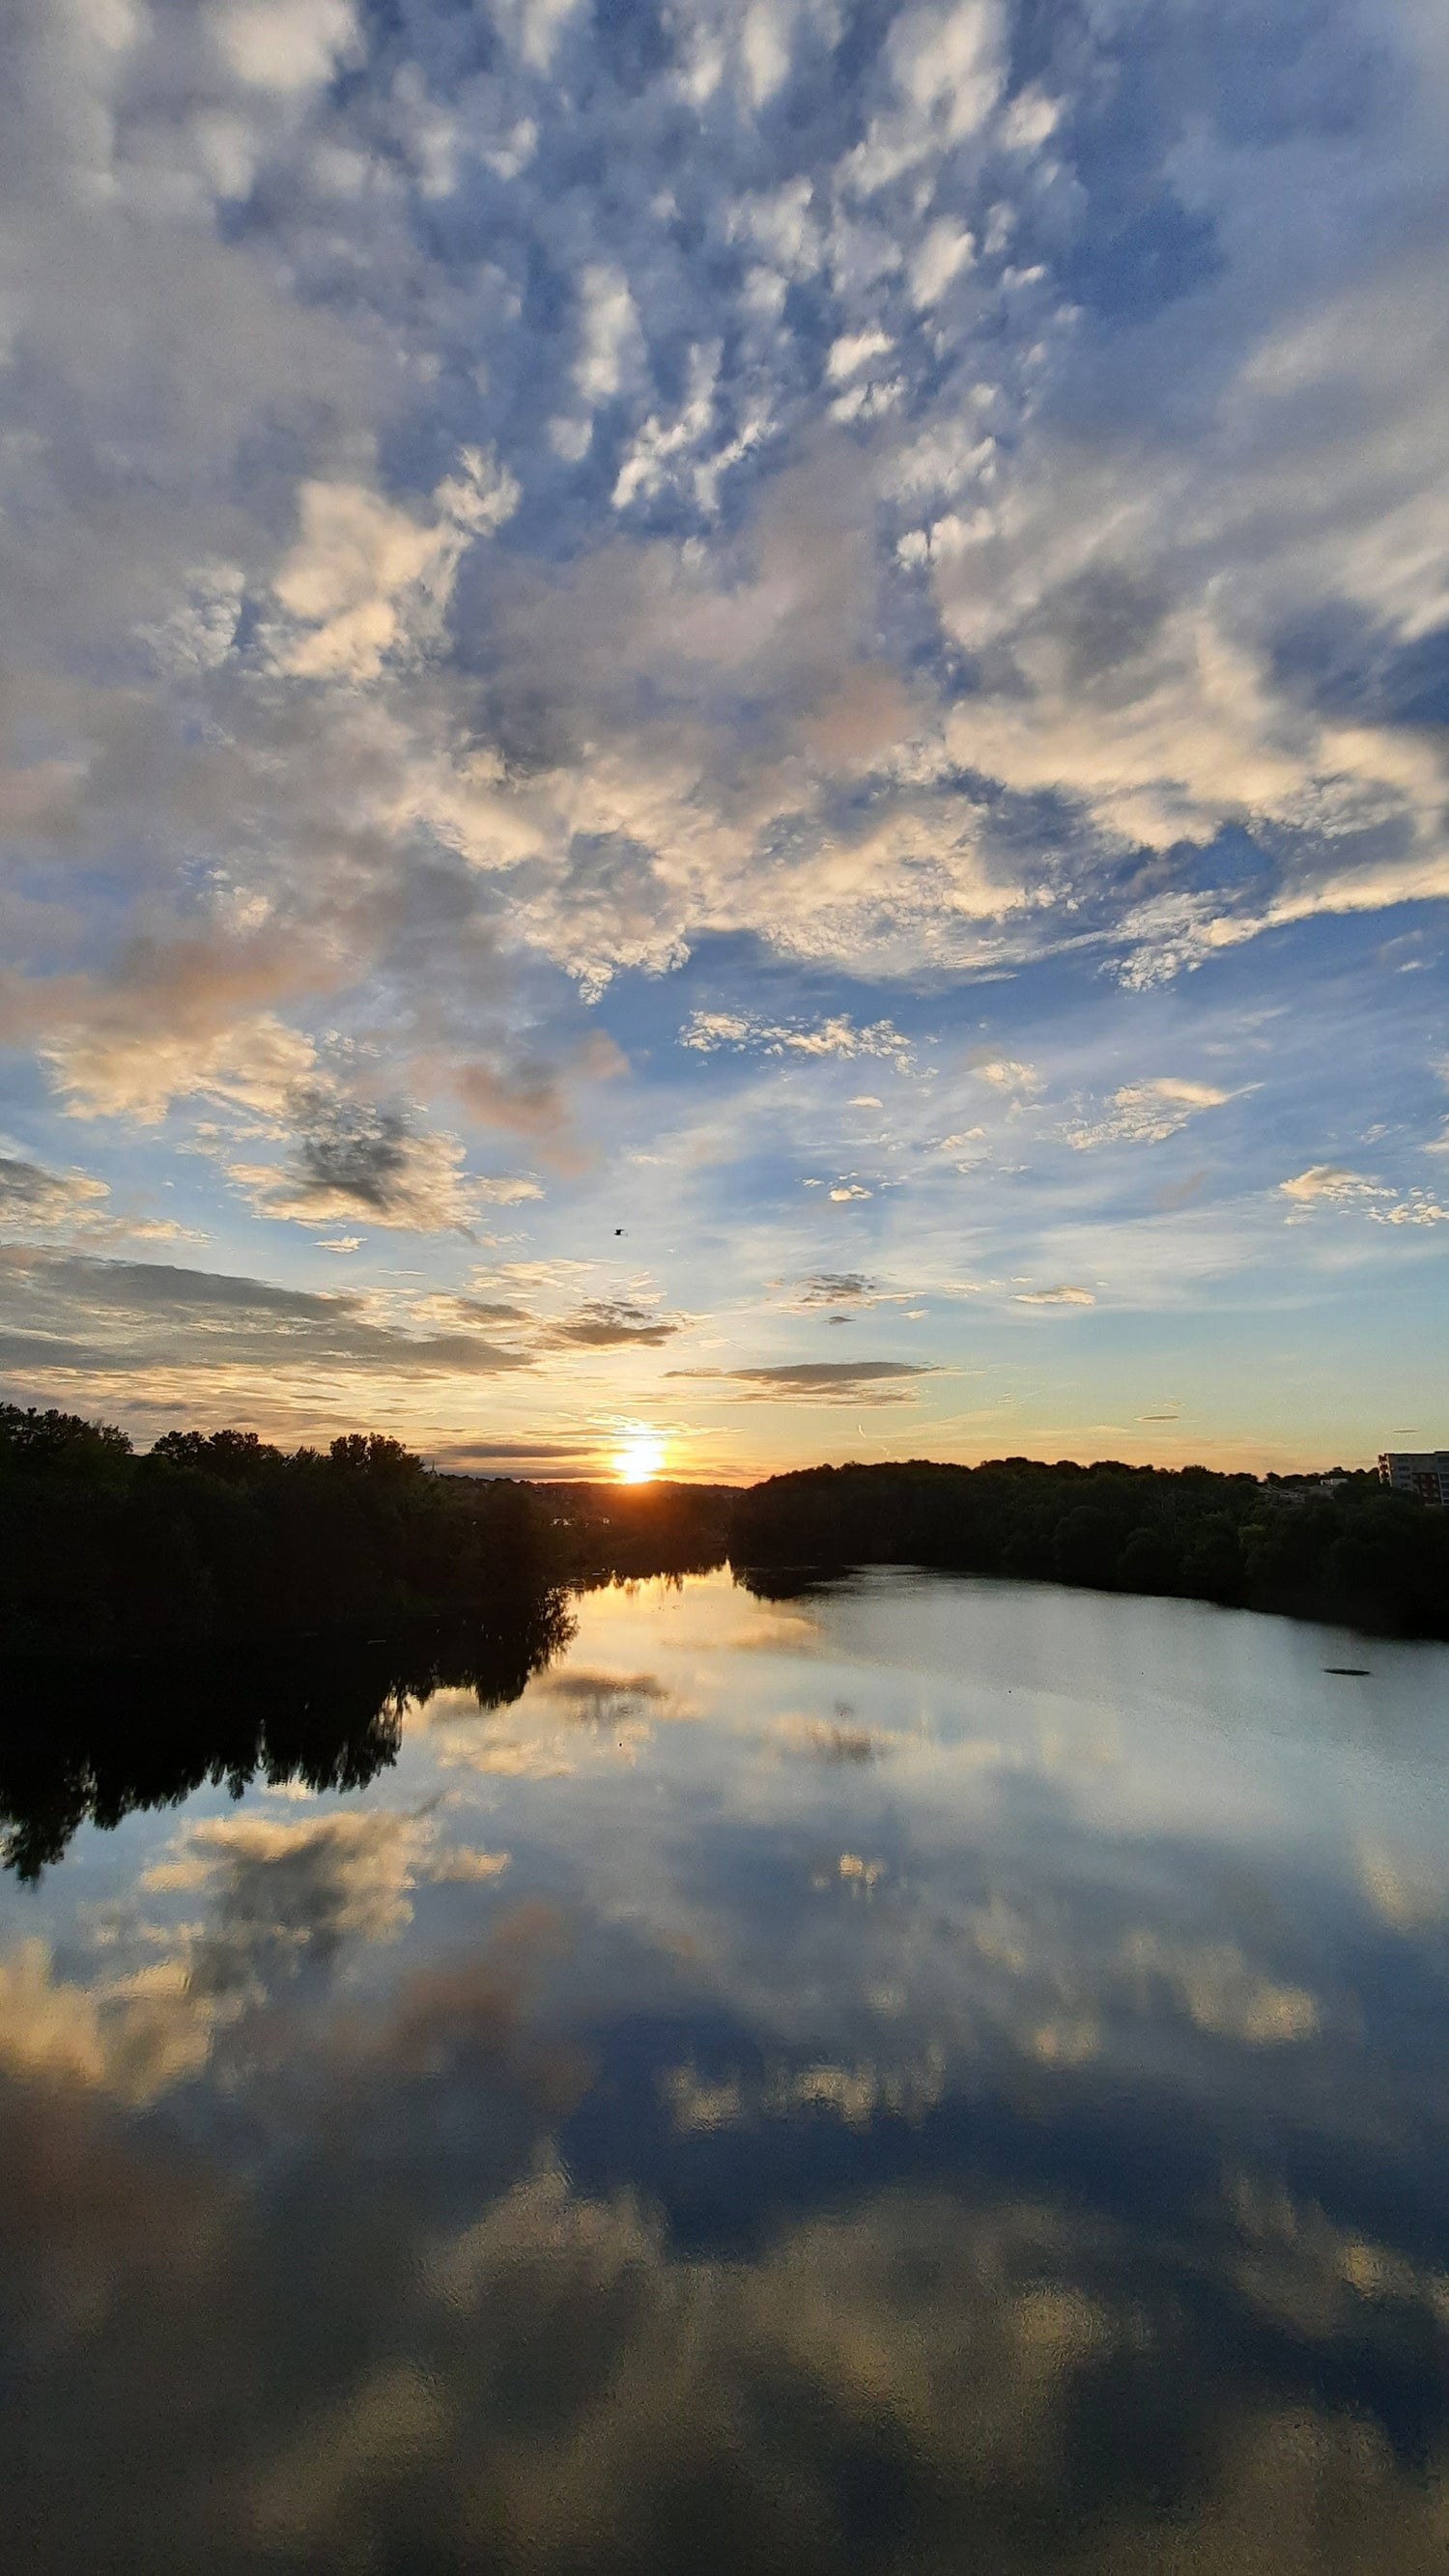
column 91, row 1743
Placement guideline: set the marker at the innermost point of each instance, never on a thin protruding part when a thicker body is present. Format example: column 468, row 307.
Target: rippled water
column 929, row 2074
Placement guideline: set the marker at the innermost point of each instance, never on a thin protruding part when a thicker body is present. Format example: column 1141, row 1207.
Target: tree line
column 1354, row 1552
column 220, row 1536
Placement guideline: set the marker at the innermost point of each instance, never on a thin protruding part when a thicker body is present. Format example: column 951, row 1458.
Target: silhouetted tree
column 1360, row 1553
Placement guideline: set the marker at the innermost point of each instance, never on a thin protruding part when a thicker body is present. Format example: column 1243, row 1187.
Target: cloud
column 135, row 2037
column 861, row 2303
column 1054, row 1297
column 533, row 1099
column 366, row 581
column 1146, row 1113
column 284, row 45
column 858, row 2095
column 837, row 1288
column 279, row 1900
column 68, row 1313
column 839, row 519
column 36, row 1203
column 33, row 1199
column 1222, row 1992
column 359, row 1159
column 849, row 355
column 837, row 1743
column 1417, row 1209
column 820, row 1381
column 522, row 1456
column 708, row 1031
column 945, row 250
column 1122, row 648
column 152, row 1042
column 603, row 1324
column 1005, row 1074
column 459, row 1864
column 1330, row 1185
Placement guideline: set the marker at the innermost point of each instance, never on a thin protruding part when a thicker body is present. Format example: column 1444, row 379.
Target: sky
column 722, row 728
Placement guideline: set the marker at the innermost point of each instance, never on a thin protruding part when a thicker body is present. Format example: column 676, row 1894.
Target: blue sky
column 728, row 724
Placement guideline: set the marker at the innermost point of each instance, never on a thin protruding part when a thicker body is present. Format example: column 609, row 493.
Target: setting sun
column 639, row 1459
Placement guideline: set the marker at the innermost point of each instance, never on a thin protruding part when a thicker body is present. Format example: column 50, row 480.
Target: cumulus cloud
column 1146, row 1113
column 1054, row 1297
column 284, row 45
column 273, row 1901
column 1119, row 656
column 485, row 530
column 356, row 1159
column 134, row 2037
column 138, row 1051
column 1331, row 1185
column 860, row 2304
column 1005, row 1074
column 1222, row 1992
column 708, row 1031
column 1419, row 1208
column 366, row 581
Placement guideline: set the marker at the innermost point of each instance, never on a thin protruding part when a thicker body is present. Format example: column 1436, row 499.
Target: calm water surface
column 928, row 2075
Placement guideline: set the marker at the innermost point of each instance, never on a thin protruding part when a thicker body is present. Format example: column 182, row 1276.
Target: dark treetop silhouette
column 220, row 1536
column 1359, row 1553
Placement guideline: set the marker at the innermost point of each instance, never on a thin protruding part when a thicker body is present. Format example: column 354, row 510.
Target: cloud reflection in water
column 1027, row 2143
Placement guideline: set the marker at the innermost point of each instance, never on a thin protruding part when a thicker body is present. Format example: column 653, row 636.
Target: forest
column 219, row 1536
column 1351, row 1551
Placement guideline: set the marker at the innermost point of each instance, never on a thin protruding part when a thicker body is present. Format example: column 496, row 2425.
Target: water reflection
column 908, row 2076
column 95, row 1742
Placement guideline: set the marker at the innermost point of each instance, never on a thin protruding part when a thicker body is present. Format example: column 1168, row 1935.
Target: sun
column 639, row 1459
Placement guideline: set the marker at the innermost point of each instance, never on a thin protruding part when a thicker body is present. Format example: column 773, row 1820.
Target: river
column 925, row 2074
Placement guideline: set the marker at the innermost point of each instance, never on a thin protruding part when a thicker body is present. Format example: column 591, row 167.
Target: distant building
column 1424, row 1472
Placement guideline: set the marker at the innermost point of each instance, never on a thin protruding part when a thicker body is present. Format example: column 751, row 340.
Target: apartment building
column 1424, row 1472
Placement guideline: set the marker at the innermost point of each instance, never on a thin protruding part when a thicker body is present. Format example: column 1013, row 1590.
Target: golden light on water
column 639, row 1458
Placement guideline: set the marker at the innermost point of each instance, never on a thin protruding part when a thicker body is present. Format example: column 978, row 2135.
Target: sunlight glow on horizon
column 639, row 1459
